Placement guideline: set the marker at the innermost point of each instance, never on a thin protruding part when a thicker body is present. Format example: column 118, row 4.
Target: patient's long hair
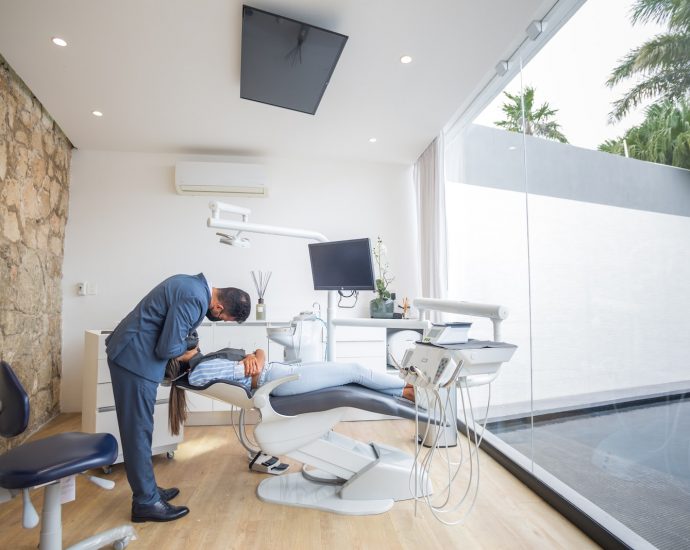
column 177, row 406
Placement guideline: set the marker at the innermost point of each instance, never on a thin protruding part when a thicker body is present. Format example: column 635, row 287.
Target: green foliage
column 535, row 122
column 381, row 286
column 663, row 137
column 663, row 62
column 384, row 278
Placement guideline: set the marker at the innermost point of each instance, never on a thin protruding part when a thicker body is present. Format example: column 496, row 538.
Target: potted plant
column 383, row 306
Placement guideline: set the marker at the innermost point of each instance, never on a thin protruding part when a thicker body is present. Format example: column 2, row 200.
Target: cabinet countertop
column 245, row 324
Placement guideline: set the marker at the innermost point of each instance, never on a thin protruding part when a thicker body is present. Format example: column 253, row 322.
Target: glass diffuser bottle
column 260, row 310
column 261, row 280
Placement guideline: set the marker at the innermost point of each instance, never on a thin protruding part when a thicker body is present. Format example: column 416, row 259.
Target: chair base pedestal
column 51, row 527
column 296, row 490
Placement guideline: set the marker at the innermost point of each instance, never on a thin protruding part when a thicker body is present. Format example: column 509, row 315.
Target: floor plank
column 210, row 468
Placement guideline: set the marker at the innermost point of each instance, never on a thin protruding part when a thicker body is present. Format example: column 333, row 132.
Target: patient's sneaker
column 266, row 464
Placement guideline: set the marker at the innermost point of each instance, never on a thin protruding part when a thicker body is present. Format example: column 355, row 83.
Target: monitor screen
column 342, row 265
column 286, row 63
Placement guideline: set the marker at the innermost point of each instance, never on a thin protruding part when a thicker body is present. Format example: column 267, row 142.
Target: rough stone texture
column 34, row 193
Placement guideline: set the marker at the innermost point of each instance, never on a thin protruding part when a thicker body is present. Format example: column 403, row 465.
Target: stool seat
column 55, row 457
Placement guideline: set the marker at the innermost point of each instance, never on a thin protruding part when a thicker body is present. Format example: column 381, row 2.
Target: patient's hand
column 253, row 363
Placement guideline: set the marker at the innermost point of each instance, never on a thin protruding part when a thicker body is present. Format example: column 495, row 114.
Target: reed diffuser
column 261, row 282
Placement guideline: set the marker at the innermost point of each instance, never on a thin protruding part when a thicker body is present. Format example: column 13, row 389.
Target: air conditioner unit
column 220, row 179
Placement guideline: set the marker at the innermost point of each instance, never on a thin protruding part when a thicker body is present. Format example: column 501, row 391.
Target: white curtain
column 430, row 186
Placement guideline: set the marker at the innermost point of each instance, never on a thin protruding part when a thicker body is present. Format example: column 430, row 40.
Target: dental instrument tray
column 481, row 356
column 448, row 333
column 439, row 363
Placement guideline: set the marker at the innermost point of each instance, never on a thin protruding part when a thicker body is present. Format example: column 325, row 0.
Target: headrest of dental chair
column 350, row 395
column 183, row 382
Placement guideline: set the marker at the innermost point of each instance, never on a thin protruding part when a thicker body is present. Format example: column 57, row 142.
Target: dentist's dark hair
column 236, row 302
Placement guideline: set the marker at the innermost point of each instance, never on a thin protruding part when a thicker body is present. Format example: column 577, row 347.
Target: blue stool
column 46, row 462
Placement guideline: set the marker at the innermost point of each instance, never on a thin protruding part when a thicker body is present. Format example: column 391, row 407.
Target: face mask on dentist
column 211, row 317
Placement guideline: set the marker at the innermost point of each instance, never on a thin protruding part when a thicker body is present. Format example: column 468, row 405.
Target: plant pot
column 381, row 309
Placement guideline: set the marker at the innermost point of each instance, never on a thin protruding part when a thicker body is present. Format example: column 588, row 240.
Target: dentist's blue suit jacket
column 138, row 350
column 155, row 330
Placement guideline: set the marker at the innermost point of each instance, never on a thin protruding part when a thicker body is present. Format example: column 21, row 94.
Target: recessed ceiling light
column 59, row 41
column 372, row 140
column 405, row 59
column 96, row 113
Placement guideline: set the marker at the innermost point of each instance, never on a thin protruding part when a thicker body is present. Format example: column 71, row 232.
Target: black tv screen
column 286, row 63
column 342, row 265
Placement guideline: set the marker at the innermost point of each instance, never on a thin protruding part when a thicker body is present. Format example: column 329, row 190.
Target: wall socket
column 87, row 289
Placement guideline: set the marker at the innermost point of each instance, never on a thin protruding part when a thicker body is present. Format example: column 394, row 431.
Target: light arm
column 494, row 312
column 215, row 221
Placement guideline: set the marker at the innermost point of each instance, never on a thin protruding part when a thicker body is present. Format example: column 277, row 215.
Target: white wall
column 610, row 290
column 128, row 230
column 609, row 285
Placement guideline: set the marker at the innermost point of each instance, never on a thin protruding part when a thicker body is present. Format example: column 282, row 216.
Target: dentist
column 138, row 350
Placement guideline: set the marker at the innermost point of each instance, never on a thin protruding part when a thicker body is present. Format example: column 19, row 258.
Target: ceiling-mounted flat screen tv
column 286, row 63
column 342, row 265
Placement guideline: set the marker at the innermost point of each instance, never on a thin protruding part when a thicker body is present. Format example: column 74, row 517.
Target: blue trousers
column 313, row 376
column 318, row 375
column 135, row 399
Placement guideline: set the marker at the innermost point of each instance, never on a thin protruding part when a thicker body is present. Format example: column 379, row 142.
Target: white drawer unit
column 98, row 405
column 363, row 345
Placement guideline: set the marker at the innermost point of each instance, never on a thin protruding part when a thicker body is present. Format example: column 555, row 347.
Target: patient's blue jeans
column 315, row 376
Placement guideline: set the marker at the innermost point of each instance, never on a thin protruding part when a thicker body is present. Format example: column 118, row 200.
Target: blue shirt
column 219, row 369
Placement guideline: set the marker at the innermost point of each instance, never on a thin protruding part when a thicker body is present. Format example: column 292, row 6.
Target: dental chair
column 341, row 474
column 46, row 462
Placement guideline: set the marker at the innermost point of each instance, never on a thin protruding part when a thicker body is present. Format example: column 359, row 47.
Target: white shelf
column 384, row 323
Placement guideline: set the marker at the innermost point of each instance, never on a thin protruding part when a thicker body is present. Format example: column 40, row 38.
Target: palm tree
column 535, row 122
column 663, row 137
column 663, row 61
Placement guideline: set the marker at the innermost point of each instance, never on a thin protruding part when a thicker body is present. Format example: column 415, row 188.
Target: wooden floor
column 210, row 468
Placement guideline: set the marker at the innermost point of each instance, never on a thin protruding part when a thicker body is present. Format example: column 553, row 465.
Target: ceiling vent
column 220, row 179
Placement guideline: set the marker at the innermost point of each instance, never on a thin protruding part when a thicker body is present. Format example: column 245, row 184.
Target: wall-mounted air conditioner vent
column 220, row 179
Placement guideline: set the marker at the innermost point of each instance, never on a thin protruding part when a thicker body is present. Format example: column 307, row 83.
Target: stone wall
column 34, row 195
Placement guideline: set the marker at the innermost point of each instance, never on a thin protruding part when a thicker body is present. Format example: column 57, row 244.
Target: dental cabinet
column 363, row 345
column 98, row 404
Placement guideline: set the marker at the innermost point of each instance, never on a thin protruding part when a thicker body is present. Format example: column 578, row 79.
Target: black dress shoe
column 168, row 494
column 160, row 511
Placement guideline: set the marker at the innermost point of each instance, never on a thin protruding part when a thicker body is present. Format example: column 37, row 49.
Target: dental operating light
column 216, row 221
column 234, row 240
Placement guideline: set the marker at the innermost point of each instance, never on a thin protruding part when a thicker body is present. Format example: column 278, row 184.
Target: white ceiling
column 166, row 73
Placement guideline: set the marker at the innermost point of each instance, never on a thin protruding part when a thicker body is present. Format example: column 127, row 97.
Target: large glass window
column 554, row 215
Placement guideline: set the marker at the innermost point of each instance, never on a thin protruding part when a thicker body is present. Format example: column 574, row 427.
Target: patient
column 252, row 372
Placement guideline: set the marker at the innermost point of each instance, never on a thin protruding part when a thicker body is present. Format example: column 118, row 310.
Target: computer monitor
column 342, row 265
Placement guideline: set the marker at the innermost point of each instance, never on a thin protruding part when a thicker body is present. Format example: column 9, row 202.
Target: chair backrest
column 14, row 403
